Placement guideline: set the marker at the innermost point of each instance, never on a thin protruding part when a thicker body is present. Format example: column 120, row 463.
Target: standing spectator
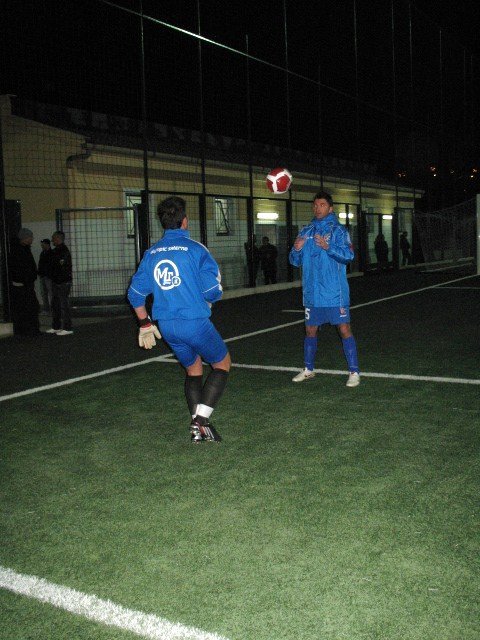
column 381, row 251
column 268, row 259
column 61, row 274
column 44, row 273
column 405, row 249
column 23, row 273
column 323, row 250
column 184, row 280
column 253, row 259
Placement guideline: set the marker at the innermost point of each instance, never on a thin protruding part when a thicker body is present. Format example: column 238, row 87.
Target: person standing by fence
column 44, row 273
column 23, row 273
column 381, row 252
column 268, row 260
column 253, row 259
column 61, row 274
column 405, row 249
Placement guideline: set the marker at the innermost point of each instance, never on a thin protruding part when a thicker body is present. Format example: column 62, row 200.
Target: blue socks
column 350, row 351
column 309, row 351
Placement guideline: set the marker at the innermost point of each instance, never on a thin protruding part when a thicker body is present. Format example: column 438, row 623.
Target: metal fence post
column 143, row 224
column 250, row 244
column 289, row 222
column 362, row 239
column 395, row 240
column 202, row 205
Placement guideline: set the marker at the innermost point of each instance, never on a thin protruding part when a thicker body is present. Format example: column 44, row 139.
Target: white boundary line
column 363, row 374
column 462, row 288
column 409, row 293
column 89, row 376
column 102, row 611
column 165, row 358
column 338, row 372
column 406, row 293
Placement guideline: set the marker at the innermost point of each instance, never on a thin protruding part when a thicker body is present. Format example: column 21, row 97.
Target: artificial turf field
column 326, row 512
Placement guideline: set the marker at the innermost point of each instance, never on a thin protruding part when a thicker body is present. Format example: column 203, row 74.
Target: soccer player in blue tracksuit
column 323, row 250
column 184, row 280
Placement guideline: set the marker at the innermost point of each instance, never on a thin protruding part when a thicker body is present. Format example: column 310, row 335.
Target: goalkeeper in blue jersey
column 323, row 250
column 184, row 280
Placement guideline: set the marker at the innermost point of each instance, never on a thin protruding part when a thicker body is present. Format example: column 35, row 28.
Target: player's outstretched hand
column 147, row 335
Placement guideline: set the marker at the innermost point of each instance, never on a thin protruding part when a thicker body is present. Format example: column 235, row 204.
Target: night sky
column 88, row 55
column 49, row 42
column 460, row 20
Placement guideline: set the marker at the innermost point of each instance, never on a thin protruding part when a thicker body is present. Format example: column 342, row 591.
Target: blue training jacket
column 182, row 276
column 324, row 272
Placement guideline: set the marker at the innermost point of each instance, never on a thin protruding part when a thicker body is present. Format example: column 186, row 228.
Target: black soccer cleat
column 195, row 435
column 203, row 432
column 209, row 433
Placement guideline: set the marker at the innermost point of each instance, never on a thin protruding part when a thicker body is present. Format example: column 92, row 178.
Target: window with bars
column 223, row 210
column 131, row 199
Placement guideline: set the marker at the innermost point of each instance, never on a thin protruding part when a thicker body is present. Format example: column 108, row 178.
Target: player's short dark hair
column 171, row 212
column 59, row 233
column 324, row 195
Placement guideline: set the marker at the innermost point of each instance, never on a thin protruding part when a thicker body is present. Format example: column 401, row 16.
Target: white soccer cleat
column 52, row 330
column 305, row 374
column 64, row 332
column 353, row 379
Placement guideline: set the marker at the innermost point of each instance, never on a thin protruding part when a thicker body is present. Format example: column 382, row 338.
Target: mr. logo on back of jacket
column 166, row 275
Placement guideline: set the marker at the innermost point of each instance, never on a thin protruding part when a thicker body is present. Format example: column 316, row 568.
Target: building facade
column 100, row 178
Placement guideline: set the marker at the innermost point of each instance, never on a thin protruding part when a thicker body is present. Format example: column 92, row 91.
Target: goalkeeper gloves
column 147, row 334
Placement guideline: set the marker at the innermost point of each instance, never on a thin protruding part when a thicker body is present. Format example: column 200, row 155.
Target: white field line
column 409, row 293
column 363, row 374
column 401, row 295
column 331, row 372
column 89, row 376
column 101, row 611
column 165, row 357
column 444, row 268
column 462, row 288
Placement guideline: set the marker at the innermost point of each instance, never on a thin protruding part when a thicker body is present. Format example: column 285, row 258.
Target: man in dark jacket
column 253, row 260
column 23, row 273
column 381, row 251
column 405, row 249
column 44, row 273
column 268, row 259
column 61, row 275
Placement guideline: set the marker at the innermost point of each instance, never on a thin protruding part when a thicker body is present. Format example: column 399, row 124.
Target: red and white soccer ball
column 279, row 180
